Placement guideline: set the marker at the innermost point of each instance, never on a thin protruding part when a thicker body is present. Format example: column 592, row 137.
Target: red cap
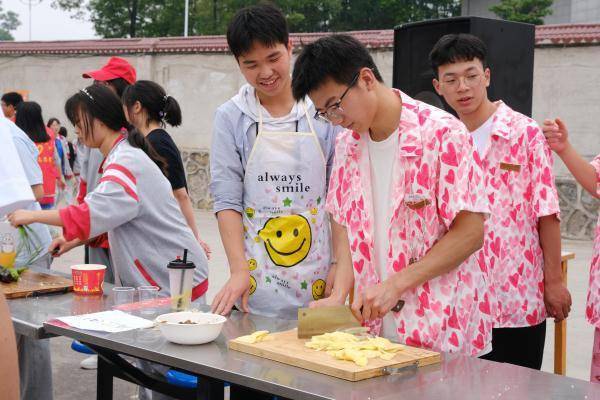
column 115, row 68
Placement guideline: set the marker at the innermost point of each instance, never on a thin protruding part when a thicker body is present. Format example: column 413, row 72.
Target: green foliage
column 155, row 18
column 129, row 18
column 529, row 11
column 386, row 14
column 9, row 21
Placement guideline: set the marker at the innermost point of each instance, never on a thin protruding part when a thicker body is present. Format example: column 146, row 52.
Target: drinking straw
column 179, row 302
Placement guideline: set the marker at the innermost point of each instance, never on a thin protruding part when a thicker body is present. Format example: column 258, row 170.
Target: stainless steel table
column 29, row 314
column 456, row 377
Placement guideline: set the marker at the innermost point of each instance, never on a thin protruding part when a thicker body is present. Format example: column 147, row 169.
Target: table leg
column 244, row 393
column 112, row 365
column 104, row 383
column 210, row 389
column 560, row 336
column 560, row 345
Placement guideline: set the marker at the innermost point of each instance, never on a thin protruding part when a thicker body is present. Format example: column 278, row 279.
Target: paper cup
column 88, row 278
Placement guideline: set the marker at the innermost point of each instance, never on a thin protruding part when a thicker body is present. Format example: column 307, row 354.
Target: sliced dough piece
column 255, row 337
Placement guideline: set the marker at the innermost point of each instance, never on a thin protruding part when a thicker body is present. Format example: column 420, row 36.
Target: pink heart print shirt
column 592, row 310
column 520, row 189
column 437, row 174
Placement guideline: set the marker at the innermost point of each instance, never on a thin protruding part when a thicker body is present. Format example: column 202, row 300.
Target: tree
column 530, row 11
column 328, row 15
column 129, row 18
column 9, row 21
column 386, row 14
column 151, row 18
column 212, row 16
column 311, row 15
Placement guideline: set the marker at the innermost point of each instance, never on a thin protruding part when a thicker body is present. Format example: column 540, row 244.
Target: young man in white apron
column 269, row 170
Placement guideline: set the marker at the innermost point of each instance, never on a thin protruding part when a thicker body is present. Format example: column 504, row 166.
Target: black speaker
column 510, row 58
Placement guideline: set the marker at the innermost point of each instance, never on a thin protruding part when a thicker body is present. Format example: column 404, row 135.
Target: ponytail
column 172, row 112
column 159, row 106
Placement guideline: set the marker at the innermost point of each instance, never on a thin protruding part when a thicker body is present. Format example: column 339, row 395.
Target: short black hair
column 62, row 131
column 457, row 47
column 336, row 57
column 51, row 121
column 30, row 120
column 12, row 99
column 263, row 23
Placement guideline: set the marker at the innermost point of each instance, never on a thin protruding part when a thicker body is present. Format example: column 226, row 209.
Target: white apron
column 286, row 229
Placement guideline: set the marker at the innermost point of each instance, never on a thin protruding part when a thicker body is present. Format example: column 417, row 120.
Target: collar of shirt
column 410, row 143
column 117, row 141
column 502, row 122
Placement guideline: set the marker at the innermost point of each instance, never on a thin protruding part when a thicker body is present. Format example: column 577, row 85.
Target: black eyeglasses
column 334, row 114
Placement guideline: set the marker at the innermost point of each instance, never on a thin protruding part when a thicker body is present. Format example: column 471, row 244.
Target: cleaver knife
column 316, row 321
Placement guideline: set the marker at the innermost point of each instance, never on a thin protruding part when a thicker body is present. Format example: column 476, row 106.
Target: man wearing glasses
column 522, row 236
column 406, row 198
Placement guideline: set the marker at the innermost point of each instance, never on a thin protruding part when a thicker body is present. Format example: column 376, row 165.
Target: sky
column 47, row 23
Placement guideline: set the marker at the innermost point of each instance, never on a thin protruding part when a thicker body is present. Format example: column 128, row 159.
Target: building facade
column 201, row 74
column 563, row 11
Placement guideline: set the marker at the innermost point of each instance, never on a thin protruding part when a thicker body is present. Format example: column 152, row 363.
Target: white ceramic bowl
column 205, row 327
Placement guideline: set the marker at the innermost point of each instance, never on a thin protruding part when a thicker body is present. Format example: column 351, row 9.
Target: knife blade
column 316, row 321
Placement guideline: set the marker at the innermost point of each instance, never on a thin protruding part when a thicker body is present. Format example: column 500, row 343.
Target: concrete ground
column 73, row 383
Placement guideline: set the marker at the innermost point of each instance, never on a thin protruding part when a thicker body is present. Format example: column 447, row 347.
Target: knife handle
column 396, row 308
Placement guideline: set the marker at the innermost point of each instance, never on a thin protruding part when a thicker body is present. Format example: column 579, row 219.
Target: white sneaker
column 90, row 362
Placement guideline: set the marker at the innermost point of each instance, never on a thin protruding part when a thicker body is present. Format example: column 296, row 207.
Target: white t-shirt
column 382, row 155
column 481, row 135
column 481, row 139
column 286, row 123
column 247, row 101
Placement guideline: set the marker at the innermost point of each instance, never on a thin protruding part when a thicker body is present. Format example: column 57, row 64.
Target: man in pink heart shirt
column 522, row 249
column 407, row 201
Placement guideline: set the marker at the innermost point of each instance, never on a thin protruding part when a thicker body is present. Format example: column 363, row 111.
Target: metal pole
column 30, row 4
column 30, row 21
column 185, row 19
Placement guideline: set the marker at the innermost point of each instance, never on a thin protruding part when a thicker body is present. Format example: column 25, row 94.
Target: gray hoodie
column 234, row 132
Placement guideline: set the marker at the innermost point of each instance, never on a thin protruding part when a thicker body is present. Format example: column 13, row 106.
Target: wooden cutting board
column 32, row 282
column 285, row 347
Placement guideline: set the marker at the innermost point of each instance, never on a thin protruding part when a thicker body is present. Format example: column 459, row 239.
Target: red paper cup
column 88, row 278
